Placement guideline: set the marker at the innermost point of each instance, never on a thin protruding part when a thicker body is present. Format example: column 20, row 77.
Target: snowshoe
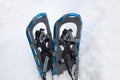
column 40, row 44
column 65, row 59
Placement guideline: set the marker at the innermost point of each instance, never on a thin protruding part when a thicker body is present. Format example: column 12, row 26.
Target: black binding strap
column 67, row 66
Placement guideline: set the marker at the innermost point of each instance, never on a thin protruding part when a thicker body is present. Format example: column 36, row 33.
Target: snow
column 100, row 41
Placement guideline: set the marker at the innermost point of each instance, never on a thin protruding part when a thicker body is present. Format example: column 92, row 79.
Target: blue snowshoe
column 40, row 44
column 64, row 59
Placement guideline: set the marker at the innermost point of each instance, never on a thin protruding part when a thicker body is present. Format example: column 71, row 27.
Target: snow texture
column 100, row 41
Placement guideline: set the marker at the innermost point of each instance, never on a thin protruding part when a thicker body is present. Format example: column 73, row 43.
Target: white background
column 100, row 41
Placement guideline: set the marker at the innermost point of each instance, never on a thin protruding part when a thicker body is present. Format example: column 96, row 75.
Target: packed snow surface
column 100, row 41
